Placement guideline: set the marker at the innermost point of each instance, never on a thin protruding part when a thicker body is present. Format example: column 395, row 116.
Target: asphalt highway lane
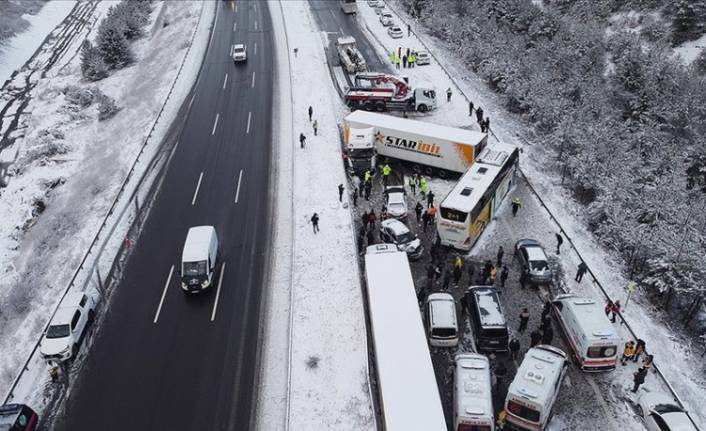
column 163, row 359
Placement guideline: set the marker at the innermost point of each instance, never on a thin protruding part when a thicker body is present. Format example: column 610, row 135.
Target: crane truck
column 349, row 55
column 374, row 91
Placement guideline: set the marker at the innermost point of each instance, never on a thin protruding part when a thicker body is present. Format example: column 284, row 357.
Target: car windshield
column 443, row 332
column 406, row 237
column 667, row 408
column 538, row 265
column 192, row 269
column 58, row 331
column 239, row 49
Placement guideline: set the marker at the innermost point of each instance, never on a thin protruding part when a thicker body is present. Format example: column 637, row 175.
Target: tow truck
column 375, row 91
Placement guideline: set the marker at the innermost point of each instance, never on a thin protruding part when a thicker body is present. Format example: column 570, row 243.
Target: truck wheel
column 417, row 168
column 428, row 171
column 380, row 107
column 443, row 174
column 353, row 105
column 422, row 108
column 369, row 106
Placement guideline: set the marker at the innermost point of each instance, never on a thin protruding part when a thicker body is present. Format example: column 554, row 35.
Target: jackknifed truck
column 429, row 148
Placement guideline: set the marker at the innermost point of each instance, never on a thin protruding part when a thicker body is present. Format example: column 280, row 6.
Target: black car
column 486, row 315
column 17, row 417
column 534, row 261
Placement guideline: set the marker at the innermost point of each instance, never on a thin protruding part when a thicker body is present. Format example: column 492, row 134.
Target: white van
column 198, row 260
column 532, row 393
column 473, row 400
column 589, row 332
column 442, row 324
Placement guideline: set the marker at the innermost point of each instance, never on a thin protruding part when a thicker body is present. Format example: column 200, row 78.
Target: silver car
column 534, row 261
column 423, row 58
column 395, row 202
column 395, row 32
column 662, row 413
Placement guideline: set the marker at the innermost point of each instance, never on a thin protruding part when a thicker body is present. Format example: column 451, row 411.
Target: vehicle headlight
column 204, row 283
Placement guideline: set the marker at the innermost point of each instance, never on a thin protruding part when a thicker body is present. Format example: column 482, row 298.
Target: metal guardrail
column 551, row 215
column 104, row 227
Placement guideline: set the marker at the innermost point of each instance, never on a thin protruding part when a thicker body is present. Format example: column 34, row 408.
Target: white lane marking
column 192, row 100
column 215, row 124
column 218, row 291
column 235, row 24
column 237, row 190
column 255, row 25
column 196, row 192
column 232, row 47
column 225, row 81
column 253, row 80
column 232, row 5
column 341, row 30
column 247, row 129
column 236, row 8
column 164, row 293
column 255, row 48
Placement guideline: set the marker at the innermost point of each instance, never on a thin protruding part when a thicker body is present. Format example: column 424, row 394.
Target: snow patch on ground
column 688, row 51
column 328, row 374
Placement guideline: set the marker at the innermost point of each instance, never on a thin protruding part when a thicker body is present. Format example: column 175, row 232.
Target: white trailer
column 428, row 147
column 409, row 395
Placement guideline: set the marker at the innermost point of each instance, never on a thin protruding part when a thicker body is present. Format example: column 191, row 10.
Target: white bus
column 408, row 392
column 467, row 209
column 349, row 6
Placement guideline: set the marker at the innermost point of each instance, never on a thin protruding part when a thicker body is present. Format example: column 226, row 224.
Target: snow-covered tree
column 688, row 20
column 107, row 107
column 112, row 43
column 93, row 67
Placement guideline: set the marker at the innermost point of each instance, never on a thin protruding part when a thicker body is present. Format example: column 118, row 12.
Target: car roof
column 395, row 226
column 63, row 315
column 488, row 301
column 197, row 244
column 536, row 253
column 394, row 28
column 423, row 53
column 443, row 310
column 239, row 45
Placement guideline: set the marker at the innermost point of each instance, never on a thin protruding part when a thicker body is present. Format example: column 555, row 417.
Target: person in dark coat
column 371, row 219
column 470, row 269
column 559, row 242
column 371, row 237
column 311, row 112
column 360, row 239
column 503, row 276
column 302, row 140
column 486, row 125
column 639, row 379
column 404, row 61
column 479, row 114
column 547, row 335
column 514, row 348
column 581, row 271
column 315, row 222
column 447, row 278
column 340, row 192
column 524, row 318
column 418, row 211
column 546, row 322
column 523, row 279
column 355, row 197
column 516, row 204
column 425, row 220
column 500, row 255
column 546, row 309
column 470, row 109
column 430, row 199
column 364, row 218
column 535, row 338
column 368, row 188
column 639, row 349
column 487, row 267
column 500, row 372
column 421, row 295
column 457, row 274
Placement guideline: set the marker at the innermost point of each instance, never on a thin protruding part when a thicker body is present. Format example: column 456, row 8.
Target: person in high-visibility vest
column 448, row 94
column 367, row 176
column 392, row 56
column 423, row 186
column 386, row 173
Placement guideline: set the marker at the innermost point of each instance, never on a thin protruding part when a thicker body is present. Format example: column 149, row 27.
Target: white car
column 69, row 325
column 395, row 232
column 386, row 18
column 379, row 6
column 395, row 32
column 240, row 53
column 661, row 413
column 395, row 202
column 373, row 3
column 423, row 58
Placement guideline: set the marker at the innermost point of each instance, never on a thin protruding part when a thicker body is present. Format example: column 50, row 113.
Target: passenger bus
column 467, row 209
column 408, row 393
column 349, row 6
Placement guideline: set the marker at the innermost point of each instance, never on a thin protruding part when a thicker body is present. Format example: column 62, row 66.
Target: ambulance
column 473, row 401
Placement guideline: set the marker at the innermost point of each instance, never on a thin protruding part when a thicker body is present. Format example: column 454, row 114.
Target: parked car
column 379, row 6
column 395, row 202
column 373, row 3
column 386, row 18
column 393, row 231
column 17, row 417
column 534, row 261
column 662, row 413
column 67, row 328
column 482, row 304
column 423, row 58
column 240, row 53
column 442, row 324
column 395, row 32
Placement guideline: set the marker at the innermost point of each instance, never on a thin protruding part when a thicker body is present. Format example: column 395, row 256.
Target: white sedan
column 68, row 327
column 661, row 413
column 386, row 19
column 395, row 32
column 395, row 203
column 423, row 58
column 240, row 53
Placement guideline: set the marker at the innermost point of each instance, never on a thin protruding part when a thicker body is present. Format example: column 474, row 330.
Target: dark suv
column 17, row 417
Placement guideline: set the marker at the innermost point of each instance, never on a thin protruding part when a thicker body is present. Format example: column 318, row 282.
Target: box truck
column 428, row 148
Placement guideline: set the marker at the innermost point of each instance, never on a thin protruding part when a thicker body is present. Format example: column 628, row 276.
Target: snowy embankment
column 680, row 363
column 325, row 385
column 75, row 166
column 16, row 50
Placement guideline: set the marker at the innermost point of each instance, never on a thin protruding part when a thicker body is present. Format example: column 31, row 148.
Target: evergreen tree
column 93, row 67
column 688, row 19
column 112, row 43
column 107, row 107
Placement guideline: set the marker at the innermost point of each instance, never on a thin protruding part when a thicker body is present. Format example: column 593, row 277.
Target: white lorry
column 375, row 91
column 429, row 148
column 351, row 58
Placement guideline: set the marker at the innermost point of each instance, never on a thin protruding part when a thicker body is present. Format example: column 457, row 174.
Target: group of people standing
column 408, row 59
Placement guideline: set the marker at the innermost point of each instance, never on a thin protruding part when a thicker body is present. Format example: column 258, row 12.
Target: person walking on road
column 515, row 206
column 354, row 195
column 398, row 60
column 581, row 271
column 423, row 186
column 412, row 184
column 311, row 112
column 409, row 30
column 612, row 308
column 500, row 372
column 487, row 125
column 535, row 338
column 366, row 221
column 638, row 379
column 425, row 221
column 503, row 276
column 523, row 279
column 368, row 188
column 547, row 335
column 449, row 92
column 479, row 115
column 430, row 199
column 470, row 109
column 315, row 222
column 404, row 61
column 315, row 125
column 546, row 309
column 340, row 192
column 418, row 211
column 302, row 140
column 524, row 319
column 514, row 348
column 432, row 215
column 470, row 269
column 371, row 219
column 412, row 59
column 448, row 273
column 628, row 352
column 647, row 362
column 559, row 242
column 386, row 170
column 639, row 349
column 500, row 255
column 457, row 274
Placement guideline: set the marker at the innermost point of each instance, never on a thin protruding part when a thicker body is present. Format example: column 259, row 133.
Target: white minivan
column 473, row 400
column 198, row 259
column 588, row 330
column 534, row 389
column 442, row 324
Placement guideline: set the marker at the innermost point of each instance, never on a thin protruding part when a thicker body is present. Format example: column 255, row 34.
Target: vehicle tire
column 443, row 174
column 422, row 108
column 91, row 316
column 417, row 168
column 380, row 107
column 368, row 106
column 428, row 171
column 74, row 351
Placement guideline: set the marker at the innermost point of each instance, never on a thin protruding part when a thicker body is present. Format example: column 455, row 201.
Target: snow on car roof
column 239, row 46
column 196, row 246
column 396, row 226
column 474, row 183
column 443, row 310
column 473, row 389
column 535, row 253
column 490, row 312
column 395, row 198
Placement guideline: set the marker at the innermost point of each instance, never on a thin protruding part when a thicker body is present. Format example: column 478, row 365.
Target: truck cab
column 424, row 98
column 360, row 147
